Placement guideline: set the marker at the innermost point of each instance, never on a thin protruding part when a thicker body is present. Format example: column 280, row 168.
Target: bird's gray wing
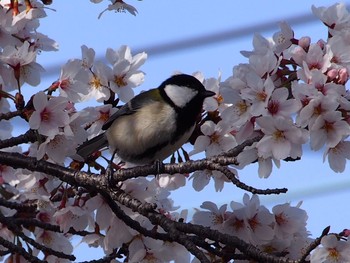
column 129, row 108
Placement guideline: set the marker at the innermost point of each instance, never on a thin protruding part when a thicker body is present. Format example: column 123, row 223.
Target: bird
column 153, row 124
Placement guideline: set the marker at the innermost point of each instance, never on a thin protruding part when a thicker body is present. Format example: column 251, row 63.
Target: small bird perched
column 154, row 124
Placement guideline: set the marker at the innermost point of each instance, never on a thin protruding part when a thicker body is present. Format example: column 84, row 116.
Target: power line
column 206, row 39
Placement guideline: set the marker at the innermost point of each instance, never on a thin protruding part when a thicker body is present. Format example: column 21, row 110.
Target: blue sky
column 324, row 193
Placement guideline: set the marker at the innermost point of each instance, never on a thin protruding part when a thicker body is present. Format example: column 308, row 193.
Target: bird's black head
column 186, row 95
column 182, row 89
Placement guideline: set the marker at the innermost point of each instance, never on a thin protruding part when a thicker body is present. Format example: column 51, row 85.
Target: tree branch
column 20, row 251
column 9, row 115
column 27, row 208
column 18, row 232
column 27, row 137
column 99, row 183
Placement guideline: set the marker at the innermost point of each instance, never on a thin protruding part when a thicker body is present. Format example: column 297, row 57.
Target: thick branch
column 29, row 136
column 27, row 208
column 205, row 232
column 100, row 184
column 189, row 167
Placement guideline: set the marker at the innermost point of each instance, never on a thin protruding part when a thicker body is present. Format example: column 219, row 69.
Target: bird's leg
column 109, row 170
column 159, row 166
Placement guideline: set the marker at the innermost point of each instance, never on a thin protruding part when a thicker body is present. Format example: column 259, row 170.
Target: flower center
column 65, row 84
column 273, row 107
column 45, row 115
column 120, row 81
column 280, row 219
column 253, row 222
column 104, row 115
column 214, row 138
column 334, row 254
column 242, row 107
column 95, row 83
column 261, row 96
column 278, row 135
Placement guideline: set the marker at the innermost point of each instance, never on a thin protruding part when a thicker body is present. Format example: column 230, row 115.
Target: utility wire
column 206, row 39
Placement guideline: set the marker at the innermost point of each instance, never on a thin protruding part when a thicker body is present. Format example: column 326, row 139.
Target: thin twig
column 19, row 251
column 9, row 115
column 314, row 244
column 18, row 232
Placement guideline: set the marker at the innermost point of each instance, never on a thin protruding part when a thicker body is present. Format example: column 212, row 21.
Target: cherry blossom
column 215, row 140
column 261, row 46
column 315, row 57
column 215, row 102
column 283, row 38
column 316, row 107
column 332, row 250
column 335, row 17
column 213, row 217
column 258, row 93
column 103, row 213
column 328, row 129
column 49, row 114
column 73, row 82
column 126, row 74
column 339, row 50
column 116, row 235
column 338, row 155
column 88, row 56
column 6, row 126
column 71, row 216
column 53, row 240
column 266, row 165
column 22, row 61
column 171, row 182
column 282, row 138
column 118, row 6
column 39, row 183
column 281, row 105
column 98, row 82
column 202, row 179
column 94, row 117
column 75, row 129
column 289, row 220
column 5, row 234
column 289, row 93
column 57, row 148
column 250, row 221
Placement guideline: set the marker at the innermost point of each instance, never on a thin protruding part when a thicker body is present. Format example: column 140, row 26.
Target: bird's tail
column 92, row 145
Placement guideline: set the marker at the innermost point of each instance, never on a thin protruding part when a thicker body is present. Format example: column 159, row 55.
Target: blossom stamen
column 45, row 115
column 278, row 135
column 120, row 81
column 95, row 83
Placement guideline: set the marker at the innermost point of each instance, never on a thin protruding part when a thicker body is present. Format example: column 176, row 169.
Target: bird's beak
column 207, row 93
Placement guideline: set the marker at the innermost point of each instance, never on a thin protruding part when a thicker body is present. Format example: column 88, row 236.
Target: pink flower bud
column 321, row 43
column 332, row 74
column 304, row 42
column 343, row 75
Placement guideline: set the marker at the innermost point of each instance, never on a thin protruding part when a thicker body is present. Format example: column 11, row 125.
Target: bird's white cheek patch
column 180, row 95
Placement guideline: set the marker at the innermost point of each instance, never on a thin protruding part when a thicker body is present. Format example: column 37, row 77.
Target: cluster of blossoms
column 290, row 93
column 281, row 231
